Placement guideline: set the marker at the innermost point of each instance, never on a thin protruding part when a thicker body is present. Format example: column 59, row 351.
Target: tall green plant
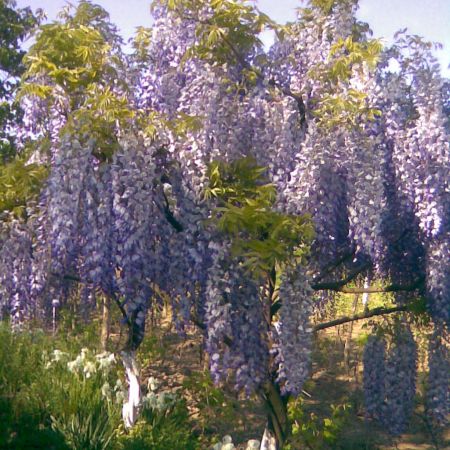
column 85, row 408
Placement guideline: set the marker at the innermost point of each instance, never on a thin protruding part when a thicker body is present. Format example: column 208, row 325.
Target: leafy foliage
column 210, row 401
column 73, row 65
column 72, row 399
column 163, row 425
column 46, row 405
column 20, row 181
column 265, row 238
column 310, row 431
column 225, row 29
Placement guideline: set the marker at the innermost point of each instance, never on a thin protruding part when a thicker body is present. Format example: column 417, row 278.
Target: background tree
column 19, row 181
column 16, row 24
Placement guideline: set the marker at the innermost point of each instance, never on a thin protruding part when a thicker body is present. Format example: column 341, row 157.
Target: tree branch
column 69, row 277
column 339, row 286
column 277, row 410
column 366, row 315
column 347, row 255
column 336, row 285
column 122, row 310
column 168, row 214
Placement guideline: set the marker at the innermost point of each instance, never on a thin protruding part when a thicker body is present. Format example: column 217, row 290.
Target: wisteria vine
column 362, row 149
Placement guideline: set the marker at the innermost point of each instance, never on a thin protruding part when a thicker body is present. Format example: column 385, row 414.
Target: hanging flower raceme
column 292, row 333
column 374, row 360
column 438, row 383
column 234, row 323
column 400, row 382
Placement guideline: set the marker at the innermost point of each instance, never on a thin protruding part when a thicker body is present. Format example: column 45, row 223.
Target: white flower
column 89, row 369
column 106, row 390
column 162, row 402
column 152, row 384
column 151, row 400
column 105, row 360
column 76, row 364
column 58, row 355
column 227, row 439
column 120, row 397
column 229, row 446
column 253, row 444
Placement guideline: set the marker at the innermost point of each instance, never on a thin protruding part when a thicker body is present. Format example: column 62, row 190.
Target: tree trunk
column 277, row 428
column 106, row 322
column 365, row 297
column 130, row 408
column 268, row 441
column 348, row 339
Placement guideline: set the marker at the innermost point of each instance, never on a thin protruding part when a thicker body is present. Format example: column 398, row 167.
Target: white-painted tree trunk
column 268, row 441
column 365, row 297
column 130, row 408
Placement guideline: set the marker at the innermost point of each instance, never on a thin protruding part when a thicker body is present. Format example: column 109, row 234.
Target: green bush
column 310, row 431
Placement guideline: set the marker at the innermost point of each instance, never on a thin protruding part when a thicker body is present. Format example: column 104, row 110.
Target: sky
column 427, row 18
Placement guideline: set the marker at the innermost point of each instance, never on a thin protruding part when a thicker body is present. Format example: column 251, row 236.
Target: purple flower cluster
column 292, row 334
column 400, row 382
column 438, row 385
column 15, row 273
column 235, row 338
column 374, row 360
column 390, row 379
